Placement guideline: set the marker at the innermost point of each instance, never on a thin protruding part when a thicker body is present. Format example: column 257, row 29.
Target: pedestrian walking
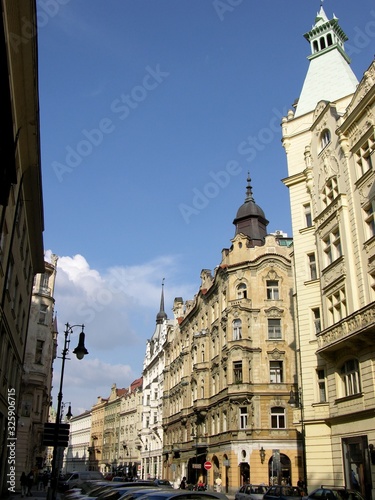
column 30, row 482
column 183, row 483
column 23, row 481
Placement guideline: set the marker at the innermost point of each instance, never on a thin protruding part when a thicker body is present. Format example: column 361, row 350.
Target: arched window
column 278, row 417
column 322, row 43
column 315, row 46
column 329, row 39
column 325, row 138
column 350, row 377
column 237, row 329
column 242, row 291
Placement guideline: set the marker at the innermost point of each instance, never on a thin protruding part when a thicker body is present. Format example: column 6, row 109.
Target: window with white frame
column 330, row 191
column 307, row 214
column 369, row 211
column 350, row 377
column 332, row 246
column 365, row 156
column 242, row 291
column 243, row 417
column 272, row 289
column 322, row 395
column 316, row 319
column 237, row 329
column 278, row 417
column 325, row 138
column 337, row 306
column 276, row 372
column 313, row 275
column 274, row 329
column 237, row 372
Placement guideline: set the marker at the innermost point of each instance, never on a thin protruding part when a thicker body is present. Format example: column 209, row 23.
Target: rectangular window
column 307, row 213
column 274, row 329
column 321, row 386
column 276, row 372
column 316, row 319
column 350, row 377
column 364, row 156
column 39, row 352
column 369, row 219
column 243, row 417
column 42, row 314
column 272, row 290
column 332, row 246
column 312, row 266
column 337, row 306
column 277, row 418
column 330, row 191
column 237, row 372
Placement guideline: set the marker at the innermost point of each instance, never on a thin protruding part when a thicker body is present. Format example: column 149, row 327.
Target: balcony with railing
column 354, row 332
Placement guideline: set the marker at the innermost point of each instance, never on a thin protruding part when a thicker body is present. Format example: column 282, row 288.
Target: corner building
column 230, row 363
column 329, row 142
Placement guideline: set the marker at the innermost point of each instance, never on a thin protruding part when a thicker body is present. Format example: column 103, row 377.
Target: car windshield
column 258, row 490
column 291, row 492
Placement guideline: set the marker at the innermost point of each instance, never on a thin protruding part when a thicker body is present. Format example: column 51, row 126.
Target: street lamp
column 80, row 352
column 295, row 401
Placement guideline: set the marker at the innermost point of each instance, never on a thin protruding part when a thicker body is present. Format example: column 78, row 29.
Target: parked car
column 136, row 493
column 278, row 492
column 73, row 479
column 334, row 493
column 251, row 492
column 116, row 493
column 172, row 494
column 164, row 483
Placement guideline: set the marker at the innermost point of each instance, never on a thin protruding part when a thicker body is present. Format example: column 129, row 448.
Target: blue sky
column 152, row 113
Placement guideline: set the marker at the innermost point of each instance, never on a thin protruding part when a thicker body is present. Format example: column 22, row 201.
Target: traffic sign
column 207, row 465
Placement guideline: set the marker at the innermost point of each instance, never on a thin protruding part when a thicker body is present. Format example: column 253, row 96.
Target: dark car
column 284, row 493
column 334, row 493
column 251, row 492
column 116, row 493
column 183, row 495
column 110, row 487
column 136, row 493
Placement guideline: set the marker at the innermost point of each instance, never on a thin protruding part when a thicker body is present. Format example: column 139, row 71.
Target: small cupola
column 250, row 219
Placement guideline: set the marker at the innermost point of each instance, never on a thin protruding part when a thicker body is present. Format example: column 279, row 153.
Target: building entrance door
column 357, row 465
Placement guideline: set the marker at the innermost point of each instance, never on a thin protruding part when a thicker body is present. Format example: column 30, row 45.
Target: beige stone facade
column 330, row 153
column 230, row 363
column 35, row 392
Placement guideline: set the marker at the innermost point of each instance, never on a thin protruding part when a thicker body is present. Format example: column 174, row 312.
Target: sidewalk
column 37, row 495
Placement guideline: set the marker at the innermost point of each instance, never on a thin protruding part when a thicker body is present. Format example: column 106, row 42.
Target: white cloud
column 118, row 308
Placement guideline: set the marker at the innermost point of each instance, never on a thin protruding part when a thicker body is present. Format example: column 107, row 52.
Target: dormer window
column 325, row 138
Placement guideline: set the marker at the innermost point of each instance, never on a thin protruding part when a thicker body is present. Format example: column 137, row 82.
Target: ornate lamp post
column 80, row 352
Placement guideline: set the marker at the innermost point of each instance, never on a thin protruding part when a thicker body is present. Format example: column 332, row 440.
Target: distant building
column 35, row 390
column 330, row 141
column 230, row 363
column 21, row 209
column 77, row 454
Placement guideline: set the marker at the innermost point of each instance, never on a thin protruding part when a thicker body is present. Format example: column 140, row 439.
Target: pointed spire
column 161, row 316
column 249, row 190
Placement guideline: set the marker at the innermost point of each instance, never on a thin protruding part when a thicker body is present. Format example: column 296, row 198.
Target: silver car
column 251, row 492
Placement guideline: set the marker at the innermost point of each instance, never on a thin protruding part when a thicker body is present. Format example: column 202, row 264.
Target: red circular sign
column 207, row 465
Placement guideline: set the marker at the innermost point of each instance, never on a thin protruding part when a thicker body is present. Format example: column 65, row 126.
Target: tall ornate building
column 40, row 351
column 111, row 430
column 230, row 363
column 151, row 434
column 329, row 141
column 96, row 461
column 21, row 210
